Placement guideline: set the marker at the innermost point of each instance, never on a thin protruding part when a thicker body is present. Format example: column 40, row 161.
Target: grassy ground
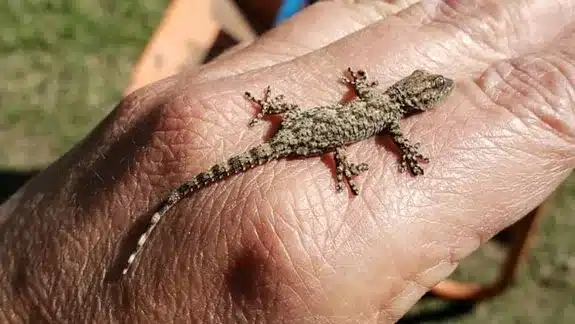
column 64, row 64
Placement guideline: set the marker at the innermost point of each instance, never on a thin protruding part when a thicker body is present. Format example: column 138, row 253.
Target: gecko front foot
column 358, row 80
column 269, row 105
column 410, row 158
column 347, row 170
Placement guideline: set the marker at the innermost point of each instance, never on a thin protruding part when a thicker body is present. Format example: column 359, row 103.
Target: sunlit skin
column 276, row 243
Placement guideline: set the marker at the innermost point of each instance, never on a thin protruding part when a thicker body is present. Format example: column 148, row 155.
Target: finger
column 464, row 36
column 525, row 128
column 314, row 27
column 474, row 33
column 488, row 171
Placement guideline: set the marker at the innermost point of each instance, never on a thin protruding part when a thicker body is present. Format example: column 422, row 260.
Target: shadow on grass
column 442, row 313
column 10, row 181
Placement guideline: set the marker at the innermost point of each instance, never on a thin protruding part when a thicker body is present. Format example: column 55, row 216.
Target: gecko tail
column 236, row 164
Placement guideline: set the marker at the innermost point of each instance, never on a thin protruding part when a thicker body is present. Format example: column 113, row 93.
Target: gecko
column 326, row 129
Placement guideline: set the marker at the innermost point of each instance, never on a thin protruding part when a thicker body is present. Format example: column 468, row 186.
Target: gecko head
column 423, row 90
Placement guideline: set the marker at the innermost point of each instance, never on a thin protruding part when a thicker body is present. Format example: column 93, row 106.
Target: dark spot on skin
column 246, row 279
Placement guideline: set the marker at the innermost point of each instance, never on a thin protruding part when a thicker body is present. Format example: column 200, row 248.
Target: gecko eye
column 440, row 81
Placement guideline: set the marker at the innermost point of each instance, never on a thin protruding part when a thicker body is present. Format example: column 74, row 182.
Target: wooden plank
column 184, row 36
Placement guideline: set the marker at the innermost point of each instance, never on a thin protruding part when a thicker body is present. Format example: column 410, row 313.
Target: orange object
column 184, row 36
column 522, row 234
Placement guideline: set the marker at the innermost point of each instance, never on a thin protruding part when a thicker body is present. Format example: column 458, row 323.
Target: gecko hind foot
column 269, row 105
column 347, row 170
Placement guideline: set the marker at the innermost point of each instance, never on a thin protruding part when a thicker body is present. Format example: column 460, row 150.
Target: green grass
column 64, row 65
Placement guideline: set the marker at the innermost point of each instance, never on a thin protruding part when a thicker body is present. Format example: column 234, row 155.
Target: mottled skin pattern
column 326, row 129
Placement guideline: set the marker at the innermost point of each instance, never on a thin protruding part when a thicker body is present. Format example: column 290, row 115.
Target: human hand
column 277, row 243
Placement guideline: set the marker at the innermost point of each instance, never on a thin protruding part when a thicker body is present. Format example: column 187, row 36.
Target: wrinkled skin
column 277, row 244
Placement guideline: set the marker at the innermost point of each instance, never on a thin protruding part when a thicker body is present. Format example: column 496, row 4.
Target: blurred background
column 65, row 64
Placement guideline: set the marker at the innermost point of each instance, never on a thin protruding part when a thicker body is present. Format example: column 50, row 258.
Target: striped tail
column 236, row 164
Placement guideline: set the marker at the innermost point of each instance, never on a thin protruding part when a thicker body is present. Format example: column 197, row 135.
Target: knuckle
column 538, row 91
